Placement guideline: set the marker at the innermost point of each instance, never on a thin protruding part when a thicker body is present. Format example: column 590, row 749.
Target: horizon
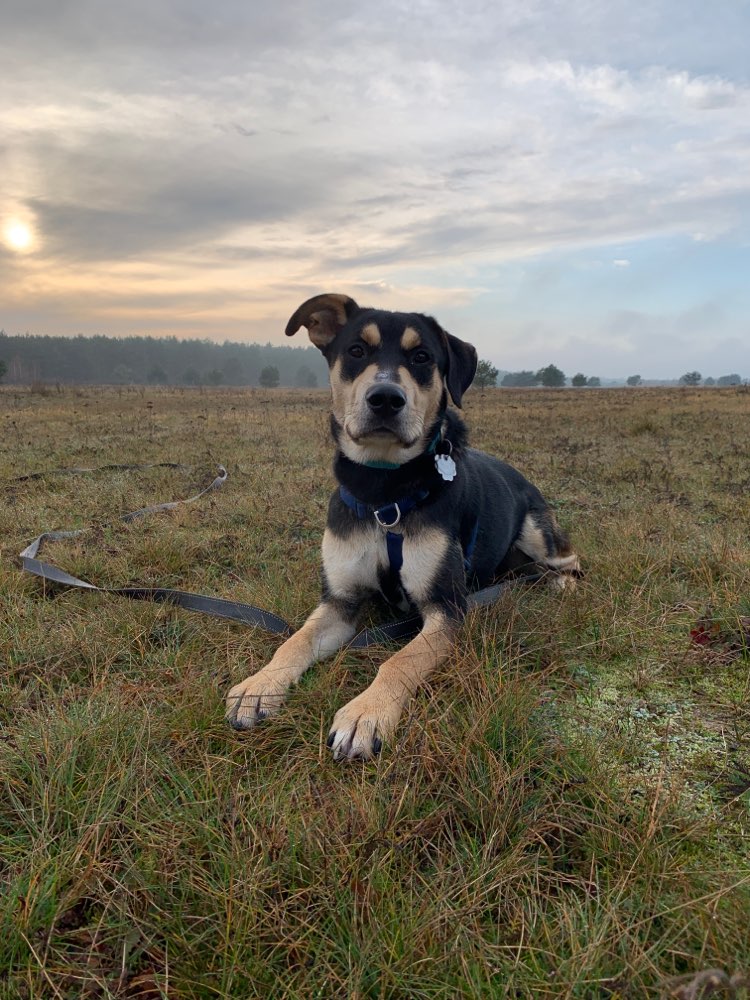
column 608, row 381
column 550, row 183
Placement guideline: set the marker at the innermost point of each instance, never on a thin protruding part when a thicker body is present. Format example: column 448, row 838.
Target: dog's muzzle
column 385, row 400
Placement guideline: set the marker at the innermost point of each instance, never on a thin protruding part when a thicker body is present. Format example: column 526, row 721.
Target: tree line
column 552, row 377
column 695, row 378
column 158, row 361
column 169, row 361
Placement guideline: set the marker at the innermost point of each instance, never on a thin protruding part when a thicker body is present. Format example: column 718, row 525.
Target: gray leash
column 218, row 607
column 407, row 628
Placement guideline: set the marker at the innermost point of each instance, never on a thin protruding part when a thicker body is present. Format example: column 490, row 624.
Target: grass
column 566, row 811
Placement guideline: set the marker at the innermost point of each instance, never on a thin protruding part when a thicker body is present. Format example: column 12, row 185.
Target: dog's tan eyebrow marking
column 371, row 335
column 410, row 339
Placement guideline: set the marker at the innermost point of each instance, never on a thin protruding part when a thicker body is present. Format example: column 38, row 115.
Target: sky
column 555, row 181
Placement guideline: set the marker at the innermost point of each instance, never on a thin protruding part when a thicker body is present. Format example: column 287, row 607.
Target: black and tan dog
column 419, row 517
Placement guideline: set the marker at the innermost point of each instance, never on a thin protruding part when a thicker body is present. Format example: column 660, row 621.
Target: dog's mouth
column 386, row 432
column 380, row 433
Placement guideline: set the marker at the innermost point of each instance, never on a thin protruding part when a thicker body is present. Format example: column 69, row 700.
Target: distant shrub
column 521, row 379
column 486, row 375
column 551, row 376
column 269, row 377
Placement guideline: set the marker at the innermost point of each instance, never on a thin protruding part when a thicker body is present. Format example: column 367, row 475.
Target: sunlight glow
column 17, row 235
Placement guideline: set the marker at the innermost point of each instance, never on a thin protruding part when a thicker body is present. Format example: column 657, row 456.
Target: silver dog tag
column 446, row 467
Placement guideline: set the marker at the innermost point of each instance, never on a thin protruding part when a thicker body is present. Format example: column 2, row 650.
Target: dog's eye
column 357, row 351
column 420, row 357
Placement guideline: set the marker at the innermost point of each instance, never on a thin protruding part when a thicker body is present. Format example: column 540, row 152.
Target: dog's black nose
column 386, row 398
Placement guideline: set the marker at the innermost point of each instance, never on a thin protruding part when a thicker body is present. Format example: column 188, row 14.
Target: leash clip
column 384, row 524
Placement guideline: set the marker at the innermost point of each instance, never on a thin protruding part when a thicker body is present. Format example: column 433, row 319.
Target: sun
column 18, row 235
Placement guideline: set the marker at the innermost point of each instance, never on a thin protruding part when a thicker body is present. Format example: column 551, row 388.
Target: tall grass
column 564, row 812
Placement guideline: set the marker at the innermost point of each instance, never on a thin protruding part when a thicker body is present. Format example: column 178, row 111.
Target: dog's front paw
column 254, row 699
column 359, row 728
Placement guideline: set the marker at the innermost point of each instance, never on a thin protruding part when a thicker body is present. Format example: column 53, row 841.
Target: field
column 566, row 812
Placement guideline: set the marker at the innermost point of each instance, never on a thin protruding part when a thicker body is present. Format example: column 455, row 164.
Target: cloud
column 230, row 158
column 461, row 156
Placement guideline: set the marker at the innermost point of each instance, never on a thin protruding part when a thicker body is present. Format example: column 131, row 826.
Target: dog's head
column 391, row 373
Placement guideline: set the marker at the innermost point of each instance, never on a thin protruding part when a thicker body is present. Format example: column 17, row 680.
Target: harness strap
column 469, row 551
column 389, row 514
column 395, row 545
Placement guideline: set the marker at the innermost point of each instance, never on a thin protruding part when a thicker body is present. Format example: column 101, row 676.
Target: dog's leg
column 361, row 726
column 327, row 629
column 433, row 576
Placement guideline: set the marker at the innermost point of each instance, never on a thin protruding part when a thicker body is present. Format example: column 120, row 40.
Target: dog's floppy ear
column 462, row 362
column 462, row 367
column 323, row 315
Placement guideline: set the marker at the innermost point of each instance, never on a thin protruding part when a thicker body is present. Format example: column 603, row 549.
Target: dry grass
column 565, row 813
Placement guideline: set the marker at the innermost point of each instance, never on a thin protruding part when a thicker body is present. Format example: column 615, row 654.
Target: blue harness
column 389, row 515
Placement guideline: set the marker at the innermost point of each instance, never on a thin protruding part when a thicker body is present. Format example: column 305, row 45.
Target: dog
column 418, row 517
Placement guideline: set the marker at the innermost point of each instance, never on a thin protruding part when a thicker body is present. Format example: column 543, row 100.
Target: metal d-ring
column 384, row 524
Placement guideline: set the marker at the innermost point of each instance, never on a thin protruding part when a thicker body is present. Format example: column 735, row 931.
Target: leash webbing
column 407, row 628
column 218, row 607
